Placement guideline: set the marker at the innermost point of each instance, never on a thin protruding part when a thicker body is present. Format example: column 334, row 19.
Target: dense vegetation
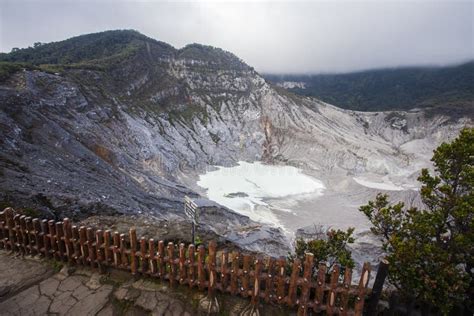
column 431, row 250
column 389, row 89
column 79, row 49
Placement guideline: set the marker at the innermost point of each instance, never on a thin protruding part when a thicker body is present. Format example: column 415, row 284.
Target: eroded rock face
column 132, row 139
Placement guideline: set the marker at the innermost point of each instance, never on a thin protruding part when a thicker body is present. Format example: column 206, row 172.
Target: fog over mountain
column 273, row 37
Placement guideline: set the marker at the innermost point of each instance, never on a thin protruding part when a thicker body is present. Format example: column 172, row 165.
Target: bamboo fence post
column 377, row 288
column 143, row 256
column 83, row 244
column 256, row 283
column 46, row 238
column 211, row 268
column 192, row 274
column 116, row 250
column 133, row 251
column 123, row 252
column 332, row 290
column 172, row 267
column 161, row 260
column 320, row 285
column 307, row 273
column 281, row 279
column 76, row 245
column 151, row 256
column 107, row 250
column 269, row 280
column 99, row 241
column 59, row 238
column 244, row 279
column 90, row 246
column 201, row 272
column 182, row 263
column 295, row 269
column 38, row 236
column 224, row 272
column 52, row 239
column 364, row 281
column 234, row 273
column 67, row 240
column 345, row 291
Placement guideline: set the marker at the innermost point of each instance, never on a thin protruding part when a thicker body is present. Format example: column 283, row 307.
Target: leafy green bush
column 332, row 250
column 431, row 251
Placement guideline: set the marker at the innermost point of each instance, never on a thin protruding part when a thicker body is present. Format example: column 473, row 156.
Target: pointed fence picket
column 294, row 284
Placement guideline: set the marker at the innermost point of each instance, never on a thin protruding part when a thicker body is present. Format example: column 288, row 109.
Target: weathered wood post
column 192, row 273
column 99, row 241
column 182, row 263
column 52, row 239
column 295, row 270
column 256, row 283
column 201, row 272
column 9, row 223
column 75, row 244
column 123, row 252
column 224, row 272
column 364, row 281
column 116, row 250
column 234, row 273
column 152, row 254
column 377, row 288
column 107, row 250
column 46, row 242
column 19, row 233
column 269, row 283
column 90, row 246
column 305, row 291
column 171, row 263
column 161, row 260
column 83, row 245
column 211, row 268
column 331, row 300
column 245, row 275
column 60, row 241
column 133, row 251
column 30, row 235
column 318, row 298
column 143, row 256
column 345, row 291
column 67, row 240
column 38, row 237
column 281, row 279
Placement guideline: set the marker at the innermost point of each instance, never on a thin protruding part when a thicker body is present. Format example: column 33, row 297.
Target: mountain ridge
column 402, row 88
column 132, row 137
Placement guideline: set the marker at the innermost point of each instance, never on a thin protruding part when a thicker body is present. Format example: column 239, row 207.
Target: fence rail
column 297, row 284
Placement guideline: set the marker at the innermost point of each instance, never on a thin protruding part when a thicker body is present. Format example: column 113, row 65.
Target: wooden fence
column 299, row 285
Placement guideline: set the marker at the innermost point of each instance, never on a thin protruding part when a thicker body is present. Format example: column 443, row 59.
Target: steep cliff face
column 130, row 130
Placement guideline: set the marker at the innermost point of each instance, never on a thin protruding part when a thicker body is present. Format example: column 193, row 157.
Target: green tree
column 431, row 250
column 332, row 249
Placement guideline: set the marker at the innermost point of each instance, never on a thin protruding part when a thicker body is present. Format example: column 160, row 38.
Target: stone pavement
column 32, row 286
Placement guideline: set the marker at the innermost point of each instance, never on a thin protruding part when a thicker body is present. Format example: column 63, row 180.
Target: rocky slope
column 128, row 130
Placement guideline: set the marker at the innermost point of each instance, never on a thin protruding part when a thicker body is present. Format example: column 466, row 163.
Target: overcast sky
column 272, row 36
